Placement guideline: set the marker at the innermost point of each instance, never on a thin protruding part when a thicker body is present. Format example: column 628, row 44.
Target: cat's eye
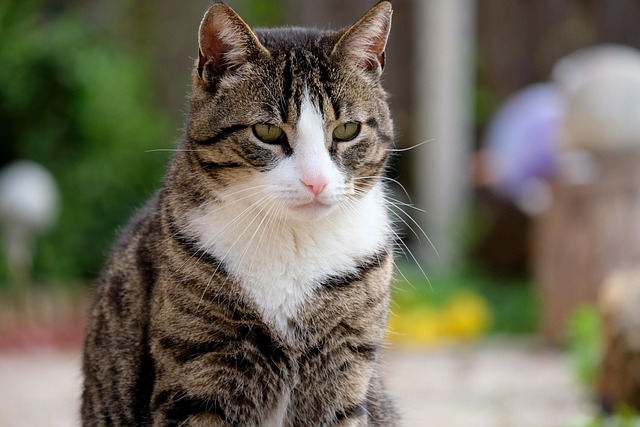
column 346, row 131
column 269, row 134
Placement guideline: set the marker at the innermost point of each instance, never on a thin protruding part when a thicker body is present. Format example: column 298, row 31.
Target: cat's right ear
column 225, row 42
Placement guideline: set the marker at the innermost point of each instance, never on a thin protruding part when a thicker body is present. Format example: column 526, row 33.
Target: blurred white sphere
column 601, row 85
column 28, row 196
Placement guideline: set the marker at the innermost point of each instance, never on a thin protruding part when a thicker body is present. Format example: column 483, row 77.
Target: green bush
column 584, row 342
column 624, row 418
column 513, row 302
column 83, row 109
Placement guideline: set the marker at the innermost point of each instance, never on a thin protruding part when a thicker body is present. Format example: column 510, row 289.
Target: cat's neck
column 279, row 261
column 244, row 237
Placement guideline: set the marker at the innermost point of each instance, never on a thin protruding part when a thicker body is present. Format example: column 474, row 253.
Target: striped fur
column 238, row 296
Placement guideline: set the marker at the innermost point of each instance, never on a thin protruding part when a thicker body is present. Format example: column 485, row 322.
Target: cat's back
column 118, row 326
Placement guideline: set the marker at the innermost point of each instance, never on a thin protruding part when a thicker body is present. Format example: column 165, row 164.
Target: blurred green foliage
column 585, row 345
column 584, row 341
column 261, row 13
column 82, row 108
column 513, row 303
column 623, row 418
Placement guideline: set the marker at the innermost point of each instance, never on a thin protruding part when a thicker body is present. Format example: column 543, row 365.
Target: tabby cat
column 253, row 289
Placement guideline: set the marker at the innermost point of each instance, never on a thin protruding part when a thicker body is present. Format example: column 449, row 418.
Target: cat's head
column 292, row 117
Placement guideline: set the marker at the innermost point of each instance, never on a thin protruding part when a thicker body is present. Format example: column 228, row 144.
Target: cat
column 254, row 288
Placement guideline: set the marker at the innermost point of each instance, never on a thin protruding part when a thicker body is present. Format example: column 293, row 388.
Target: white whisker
column 382, row 177
column 406, row 223
column 399, row 150
column 223, row 258
column 417, row 225
column 405, row 278
column 415, row 260
column 211, row 238
column 177, row 150
column 209, row 213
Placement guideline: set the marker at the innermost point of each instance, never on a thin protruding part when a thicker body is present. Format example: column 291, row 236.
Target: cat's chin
column 311, row 210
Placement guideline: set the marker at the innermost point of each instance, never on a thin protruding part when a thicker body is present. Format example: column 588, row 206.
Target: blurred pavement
column 495, row 383
column 39, row 389
column 491, row 384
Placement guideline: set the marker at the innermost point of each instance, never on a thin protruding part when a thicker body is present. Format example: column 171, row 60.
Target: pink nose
column 316, row 185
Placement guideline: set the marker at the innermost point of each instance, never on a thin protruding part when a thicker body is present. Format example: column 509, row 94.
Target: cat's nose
column 316, row 185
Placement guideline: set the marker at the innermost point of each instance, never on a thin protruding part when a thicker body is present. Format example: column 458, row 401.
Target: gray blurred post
column 444, row 94
column 28, row 206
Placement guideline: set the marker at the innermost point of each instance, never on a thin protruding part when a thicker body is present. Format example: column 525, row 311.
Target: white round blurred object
column 602, row 89
column 28, row 196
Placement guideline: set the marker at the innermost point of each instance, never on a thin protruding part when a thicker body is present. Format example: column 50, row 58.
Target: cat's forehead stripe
column 287, row 88
column 304, row 70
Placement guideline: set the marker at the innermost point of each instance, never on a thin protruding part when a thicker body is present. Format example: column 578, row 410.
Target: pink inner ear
column 226, row 42
column 367, row 39
column 214, row 49
column 377, row 49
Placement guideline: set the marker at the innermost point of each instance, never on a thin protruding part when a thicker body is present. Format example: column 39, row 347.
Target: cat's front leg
column 207, row 394
column 214, row 378
column 174, row 408
column 217, row 408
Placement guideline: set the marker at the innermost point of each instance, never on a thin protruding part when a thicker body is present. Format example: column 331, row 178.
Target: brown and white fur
column 253, row 289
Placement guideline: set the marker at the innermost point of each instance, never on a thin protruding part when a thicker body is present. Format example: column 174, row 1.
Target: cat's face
column 292, row 119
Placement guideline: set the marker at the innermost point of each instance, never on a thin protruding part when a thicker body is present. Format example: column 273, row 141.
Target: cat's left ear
column 365, row 42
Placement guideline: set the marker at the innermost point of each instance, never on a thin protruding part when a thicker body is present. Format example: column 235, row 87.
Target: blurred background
column 517, row 187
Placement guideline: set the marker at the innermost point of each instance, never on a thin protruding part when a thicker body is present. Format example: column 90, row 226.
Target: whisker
column 401, row 203
column 179, row 150
column 415, row 260
column 204, row 245
column 259, row 202
column 407, row 224
column 399, row 270
column 417, row 225
column 399, row 150
column 402, row 246
column 382, row 177
column 278, row 221
column 209, row 213
column 394, row 203
column 239, row 218
column 265, row 217
column 244, row 189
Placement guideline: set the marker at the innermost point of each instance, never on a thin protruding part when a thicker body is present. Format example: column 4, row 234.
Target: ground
column 492, row 384
column 495, row 383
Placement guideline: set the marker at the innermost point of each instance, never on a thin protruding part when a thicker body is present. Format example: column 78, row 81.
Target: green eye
column 346, row 131
column 269, row 134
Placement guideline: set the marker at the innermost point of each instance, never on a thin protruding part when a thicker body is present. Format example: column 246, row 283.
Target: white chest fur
column 279, row 261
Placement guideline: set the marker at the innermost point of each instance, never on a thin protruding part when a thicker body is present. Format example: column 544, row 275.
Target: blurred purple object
column 522, row 139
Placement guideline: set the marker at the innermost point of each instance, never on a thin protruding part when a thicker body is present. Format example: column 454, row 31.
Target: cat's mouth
column 313, row 209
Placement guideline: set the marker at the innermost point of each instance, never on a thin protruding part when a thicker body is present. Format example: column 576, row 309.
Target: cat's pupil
column 346, row 131
column 268, row 133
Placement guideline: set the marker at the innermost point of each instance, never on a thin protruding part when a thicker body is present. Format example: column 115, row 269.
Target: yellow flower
column 421, row 325
column 466, row 316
